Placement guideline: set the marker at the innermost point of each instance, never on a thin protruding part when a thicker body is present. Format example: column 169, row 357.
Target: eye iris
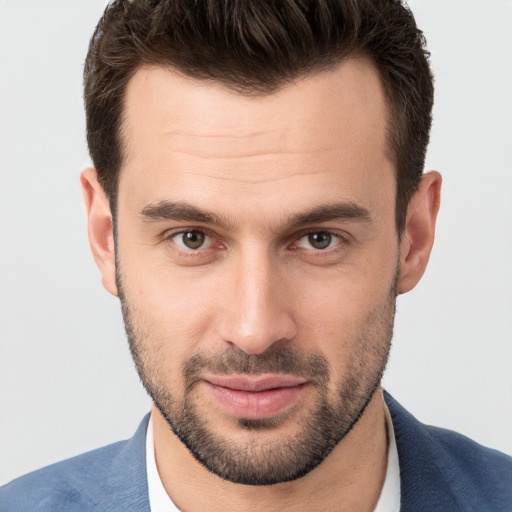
column 193, row 239
column 319, row 240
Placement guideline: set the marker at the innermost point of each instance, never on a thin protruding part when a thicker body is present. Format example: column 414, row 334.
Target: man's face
column 257, row 262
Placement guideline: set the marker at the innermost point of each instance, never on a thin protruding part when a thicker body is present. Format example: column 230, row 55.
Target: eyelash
column 191, row 253
column 343, row 242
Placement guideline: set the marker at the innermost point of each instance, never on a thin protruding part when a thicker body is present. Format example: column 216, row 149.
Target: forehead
column 325, row 132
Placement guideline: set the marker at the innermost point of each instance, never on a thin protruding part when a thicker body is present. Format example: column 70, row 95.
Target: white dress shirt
column 389, row 500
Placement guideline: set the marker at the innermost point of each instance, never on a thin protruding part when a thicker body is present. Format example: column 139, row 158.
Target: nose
column 258, row 309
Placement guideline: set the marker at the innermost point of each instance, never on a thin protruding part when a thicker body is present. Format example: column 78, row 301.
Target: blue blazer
column 440, row 471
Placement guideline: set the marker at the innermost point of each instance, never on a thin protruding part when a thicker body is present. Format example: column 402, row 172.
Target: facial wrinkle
column 258, row 181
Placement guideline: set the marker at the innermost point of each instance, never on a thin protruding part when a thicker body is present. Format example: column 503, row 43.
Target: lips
column 257, row 397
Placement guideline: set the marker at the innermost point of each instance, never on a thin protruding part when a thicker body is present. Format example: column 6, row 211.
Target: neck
column 349, row 479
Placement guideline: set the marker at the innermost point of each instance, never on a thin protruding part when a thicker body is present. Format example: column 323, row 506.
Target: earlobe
column 100, row 228
column 418, row 236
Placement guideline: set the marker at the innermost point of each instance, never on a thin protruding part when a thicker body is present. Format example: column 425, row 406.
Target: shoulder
column 91, row 481
column 449, row 468
column 61, row 486
column 482, row 463
column 476, row 474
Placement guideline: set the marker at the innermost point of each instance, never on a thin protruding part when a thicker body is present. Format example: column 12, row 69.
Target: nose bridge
column 259, row 312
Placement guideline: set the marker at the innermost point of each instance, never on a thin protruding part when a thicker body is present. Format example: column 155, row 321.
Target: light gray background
column 67, row 383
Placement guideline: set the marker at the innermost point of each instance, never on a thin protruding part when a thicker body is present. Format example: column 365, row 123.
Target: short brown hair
column 255, row 47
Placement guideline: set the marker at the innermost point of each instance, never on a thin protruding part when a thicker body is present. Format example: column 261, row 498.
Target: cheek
column 331, row 318
column 171, row 311
column 345, row 316
column 338, row 300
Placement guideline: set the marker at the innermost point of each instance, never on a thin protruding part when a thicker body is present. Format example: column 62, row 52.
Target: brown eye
column 320, row 240
column 191, row 239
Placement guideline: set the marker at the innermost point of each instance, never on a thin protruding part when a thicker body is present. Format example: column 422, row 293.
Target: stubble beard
column 288, row 457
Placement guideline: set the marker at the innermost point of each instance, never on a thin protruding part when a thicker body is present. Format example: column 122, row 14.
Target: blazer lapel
column 123, row 487
column 423, row 484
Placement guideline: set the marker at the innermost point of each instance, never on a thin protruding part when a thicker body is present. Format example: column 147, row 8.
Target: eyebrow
column 168, row 210
column 180, row 211
column 338, row 211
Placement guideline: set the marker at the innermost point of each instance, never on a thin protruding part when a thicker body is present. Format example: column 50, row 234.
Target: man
column 257, row 203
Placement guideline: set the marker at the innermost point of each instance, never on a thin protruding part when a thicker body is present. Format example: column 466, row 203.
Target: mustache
column 276, row 359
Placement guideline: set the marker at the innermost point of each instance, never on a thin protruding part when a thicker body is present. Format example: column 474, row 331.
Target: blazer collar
column 124, row 484
column 423, row 486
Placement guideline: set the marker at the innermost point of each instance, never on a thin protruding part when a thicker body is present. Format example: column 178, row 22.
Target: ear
column 100, row 228
column 418, row 236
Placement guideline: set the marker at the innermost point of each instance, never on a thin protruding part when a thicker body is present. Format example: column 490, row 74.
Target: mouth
column 255, row 397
